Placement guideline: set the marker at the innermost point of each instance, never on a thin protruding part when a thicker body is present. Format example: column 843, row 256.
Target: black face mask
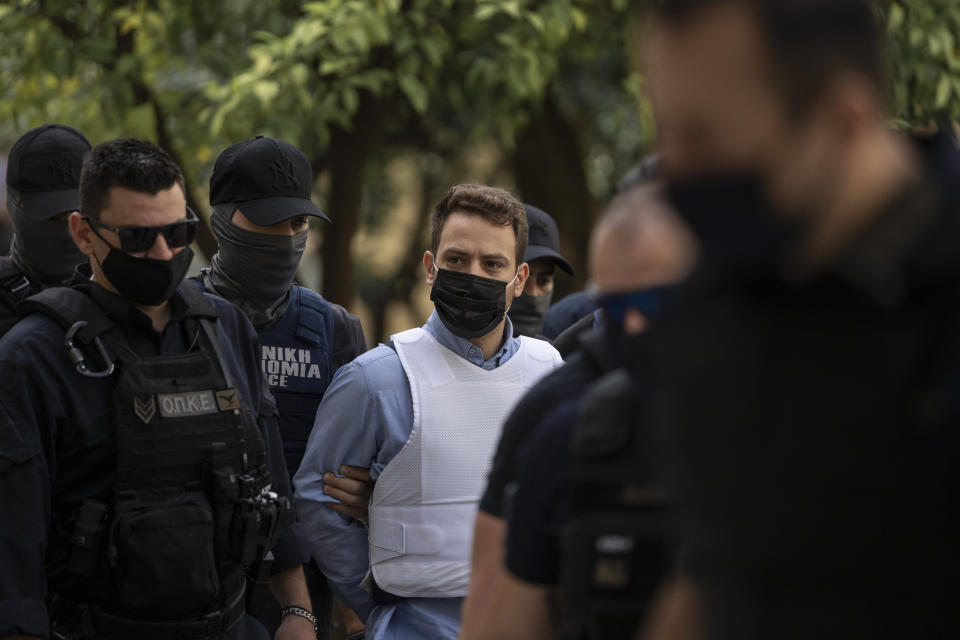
column 144, row 280
column 43, row 248
column 527, row 314
column 469, row 306
column 739, row 230
column 628, row 351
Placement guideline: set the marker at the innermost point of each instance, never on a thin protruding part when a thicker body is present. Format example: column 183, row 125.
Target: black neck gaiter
column 253, row 270
column 44, row 249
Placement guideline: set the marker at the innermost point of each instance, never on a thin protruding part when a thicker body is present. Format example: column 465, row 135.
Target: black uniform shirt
column 815, row 427
column 56, row 439
column 537, row 510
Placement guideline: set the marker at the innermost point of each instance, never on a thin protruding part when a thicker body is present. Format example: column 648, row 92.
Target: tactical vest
column 614, row 542
column 15, row 287
column 296, row 356
column 191, row 505
column 425, row 500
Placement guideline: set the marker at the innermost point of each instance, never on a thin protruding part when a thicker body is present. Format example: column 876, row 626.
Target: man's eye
column 455, row 260
column 494, row 265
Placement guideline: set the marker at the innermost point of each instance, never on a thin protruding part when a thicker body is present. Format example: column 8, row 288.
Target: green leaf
column 944, row 88
column 415, row 92
column 266, row 91
column 486, row 11
column 896, row 17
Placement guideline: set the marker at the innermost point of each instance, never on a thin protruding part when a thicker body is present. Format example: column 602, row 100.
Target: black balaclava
column 527, row 313
column 253, row 270
column 44, row 249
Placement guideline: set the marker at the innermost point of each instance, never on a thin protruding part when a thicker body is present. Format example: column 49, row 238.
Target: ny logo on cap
column 283, row 172
column 62, row 171
column 538, row 225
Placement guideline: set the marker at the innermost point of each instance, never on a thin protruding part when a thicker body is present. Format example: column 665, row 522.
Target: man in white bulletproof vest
column 424, row 413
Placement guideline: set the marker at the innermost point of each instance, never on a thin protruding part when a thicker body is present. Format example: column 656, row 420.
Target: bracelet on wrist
column 303, row 613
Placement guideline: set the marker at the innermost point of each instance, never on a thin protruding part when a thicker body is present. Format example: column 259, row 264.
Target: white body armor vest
column 425, row 501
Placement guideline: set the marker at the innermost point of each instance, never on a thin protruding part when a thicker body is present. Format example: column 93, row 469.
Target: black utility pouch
column 164, row 556
column 86, row 539
column 225, row 493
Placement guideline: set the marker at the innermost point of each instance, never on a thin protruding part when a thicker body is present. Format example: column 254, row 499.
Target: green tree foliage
column 925, row 56
column 355, row 82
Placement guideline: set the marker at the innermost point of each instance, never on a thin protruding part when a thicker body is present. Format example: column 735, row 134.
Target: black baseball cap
column 544, row 238
column 43, row 169
column 268, row 179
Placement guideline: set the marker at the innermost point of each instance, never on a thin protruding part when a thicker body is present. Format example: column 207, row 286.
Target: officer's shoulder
column 34, row 332
column 339, row 313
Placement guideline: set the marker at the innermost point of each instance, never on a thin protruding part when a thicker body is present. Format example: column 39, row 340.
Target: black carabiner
column 76, row 356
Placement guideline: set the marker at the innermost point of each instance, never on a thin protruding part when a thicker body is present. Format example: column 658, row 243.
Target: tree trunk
column 206, row 241
column 548, row 167
column 348, row 155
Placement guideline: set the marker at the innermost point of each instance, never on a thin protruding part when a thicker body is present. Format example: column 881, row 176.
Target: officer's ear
column 82, row 233
column 429, row 265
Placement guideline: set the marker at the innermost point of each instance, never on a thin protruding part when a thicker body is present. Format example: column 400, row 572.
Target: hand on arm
column 353, row 491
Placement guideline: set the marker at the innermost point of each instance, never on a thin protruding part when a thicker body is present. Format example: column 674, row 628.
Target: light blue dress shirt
column 364, row 420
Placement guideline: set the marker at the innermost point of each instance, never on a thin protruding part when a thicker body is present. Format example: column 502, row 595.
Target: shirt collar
column 127, row 314
column 466, row 349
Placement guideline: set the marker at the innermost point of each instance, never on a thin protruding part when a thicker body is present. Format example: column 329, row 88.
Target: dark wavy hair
column 496, row 205
column 130, row 163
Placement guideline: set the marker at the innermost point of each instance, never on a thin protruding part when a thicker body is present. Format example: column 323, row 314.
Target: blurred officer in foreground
column 558, row 501
column 529, row 309
column 43, row 182
column 569, row 339
column 140, row 462
column 260, row 194
column 809, row 370
column 424, row 413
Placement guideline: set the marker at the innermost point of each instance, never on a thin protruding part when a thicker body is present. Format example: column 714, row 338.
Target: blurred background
column 393, row 101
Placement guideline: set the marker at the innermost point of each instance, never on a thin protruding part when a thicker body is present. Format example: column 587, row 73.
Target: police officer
column 43, row 179
column 809, row 366
column 139, row 458
column 573, row 454
column 529, row 310
column 260, row 194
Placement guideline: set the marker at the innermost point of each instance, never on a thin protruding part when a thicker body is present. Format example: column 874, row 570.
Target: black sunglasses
column 139, row 239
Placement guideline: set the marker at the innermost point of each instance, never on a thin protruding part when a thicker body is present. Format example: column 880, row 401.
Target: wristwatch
column 303, row 613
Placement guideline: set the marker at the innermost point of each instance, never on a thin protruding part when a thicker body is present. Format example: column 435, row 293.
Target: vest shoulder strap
column 315, row 312
column 409, row 336
column 67, row 307
column 15, row 285
column 348, row 339
column 197, row 304
column 540, row 349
